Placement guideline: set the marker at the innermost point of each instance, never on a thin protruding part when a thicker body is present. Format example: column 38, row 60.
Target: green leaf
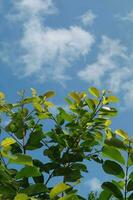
column 43, row 115
column 22, row 160
column 49, row 94
column 34, row 140
column 94, row 91
column 7, row 190
column 113, row 153
column 37, row 106
column 64, row 115
column 50, row 166
column 110, row 99
column 59, row 188
column 122, row 133
column 105, row 195
column 71, row 157
column 28, row 171
column 130, row 186
column 21, row 196
column 113, row 168
column 130, row 160
column 36, row 189
column 108, row 111
column 113, row 99
column 69, row 197
column 131, row 176
column 115, row 142
column 34, row 92
column 39, row 179
column 75, row 96
column 91, row 104
column 130, row 196
column 7, row 142
column 113, row 189
column 2, row 95
column 120, row 184
column 79, row 166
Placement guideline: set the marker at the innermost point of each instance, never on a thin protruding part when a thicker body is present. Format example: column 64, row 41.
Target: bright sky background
column 69, row 45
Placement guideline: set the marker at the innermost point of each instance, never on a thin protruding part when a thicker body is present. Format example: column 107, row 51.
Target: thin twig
column 126, row 173
column 50, row 176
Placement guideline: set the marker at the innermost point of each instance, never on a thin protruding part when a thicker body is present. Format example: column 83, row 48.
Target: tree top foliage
column 63, row 137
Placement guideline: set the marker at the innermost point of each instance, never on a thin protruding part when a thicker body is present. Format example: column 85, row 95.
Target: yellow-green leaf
column 69, row 196
column 94, row 91
column 121, row 133
column 75, row 96
column 7, row 142
column 22, row 160
column 34, row 92
column 37, row 106
column 49, row 94
column 2, row 95
column 59, row 188
column 108, row 122
column 113, row 153
column 49, row 104
column 108, row 134
column 98, row 136
column 21, row 196
column 113, row 99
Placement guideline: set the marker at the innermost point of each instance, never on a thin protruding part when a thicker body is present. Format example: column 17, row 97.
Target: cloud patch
column 112, row 69
column 93, row 184
column 128, row 17
column 106, row 61
column 48, row 52
column 34, row 8
column 87, row 18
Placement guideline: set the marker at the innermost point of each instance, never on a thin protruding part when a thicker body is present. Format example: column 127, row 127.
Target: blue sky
column 69, row 45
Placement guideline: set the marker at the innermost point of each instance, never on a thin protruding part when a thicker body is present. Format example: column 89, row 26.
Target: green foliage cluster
column 64, row 139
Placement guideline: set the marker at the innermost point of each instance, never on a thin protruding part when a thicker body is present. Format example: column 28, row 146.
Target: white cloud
column 48, row 52
column 109, row 50
column 94, row 184
column 112, row 69
column 88, row 18
column 128, row 17
column 34, row 8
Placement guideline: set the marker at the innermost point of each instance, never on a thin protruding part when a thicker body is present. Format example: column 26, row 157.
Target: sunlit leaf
column 34, row 92
column 94, row 91
column 2, row 95
column 7, row 142
column 59, row 188
column 113, row 153
column 75, row 96
column 121, row 133
column 21, row 196
column 49, row 94
column 22, row 160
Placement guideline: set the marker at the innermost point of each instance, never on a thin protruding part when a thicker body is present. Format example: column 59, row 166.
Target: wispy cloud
column 128, row 17
column 105, row 62
column 34, row 8
column 48, row 52
column 88, row 18
column 113, row 69
column 93, row 184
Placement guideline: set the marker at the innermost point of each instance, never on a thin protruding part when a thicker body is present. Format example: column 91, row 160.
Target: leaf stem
column 126, row 173
column 50, row 176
